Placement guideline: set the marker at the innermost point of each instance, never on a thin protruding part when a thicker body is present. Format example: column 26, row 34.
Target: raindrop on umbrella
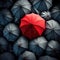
column 46, row 15
column 5, row 17
column 7, row 56
column 52, row 30
column 53, row 48
column 20, row 8
column 3, row 44
column 27, row 55
column 56, row 13
column 38, row 45
column 5, row 3
column 47, row 58
column 20, row 45
column 11, row 32
column 41, row 5
column 32, row 25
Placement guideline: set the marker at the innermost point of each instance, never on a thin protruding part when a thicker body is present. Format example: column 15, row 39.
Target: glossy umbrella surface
column 27, row 55
column 5, row 17
column 38, row 45
column 11, row 32
column 52, row 30
column 20, row 46
column 32, row 25
column 20, row 8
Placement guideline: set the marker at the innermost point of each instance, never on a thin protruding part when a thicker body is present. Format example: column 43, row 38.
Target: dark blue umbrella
column 41, row 5
column 20, row 8
column 7, row 56
column 11, row 32
column 47, row 58
column 3, row 44
column 20, row 45
column 52, row 30
column 53, row 48
column 5, row 3
column 56, row 13
column 46, row 15
column 5, row 17
column 38, row 45
column 27, row 55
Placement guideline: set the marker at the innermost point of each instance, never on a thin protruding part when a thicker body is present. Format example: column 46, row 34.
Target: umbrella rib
column 17, row 11
column 39, row 26
column 26, row 21
column 48, row 25
column 49, row 32
column 57, row 34
column 36, row 30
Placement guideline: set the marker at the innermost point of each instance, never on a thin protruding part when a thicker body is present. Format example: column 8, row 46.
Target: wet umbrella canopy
column 47, row 58
column 38, row 45
column 5, row 17
column 32, row 25
column 3, row 44
column 27, row 55
column 41, row 5
column 5, row 3
column 20, row 45
column 7, row 56
column 56, row 13
column 20, row 8
column 52, row 30
column 46, row 15
column 11, row 32
column 53, row 48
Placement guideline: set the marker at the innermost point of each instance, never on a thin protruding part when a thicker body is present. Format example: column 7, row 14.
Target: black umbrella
column 3, row 44
column 20, row 45
column 52, row 30
column 47, row 58
column 5, row 3
column 38, row 45
column 27, row 55
column 53, row 48
column 46, row 15
column 41, row 5
column 20, row 8
column 5, row 17
column 56, row 13
column 7, row 56
column 11, row 32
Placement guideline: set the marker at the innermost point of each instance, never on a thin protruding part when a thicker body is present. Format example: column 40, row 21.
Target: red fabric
column 32, row 25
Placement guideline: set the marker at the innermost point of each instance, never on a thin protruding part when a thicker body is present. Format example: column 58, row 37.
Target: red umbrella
column 32, row 25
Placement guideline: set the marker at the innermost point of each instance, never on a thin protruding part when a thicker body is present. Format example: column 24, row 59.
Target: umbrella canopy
column 38, row 45
column 20, row 8
column 32, row 25
column 5, row 17
column 53, row 48
column 7, row 56
column 5, row 3
column 11, row 32
column 27, row 55
column 20, row 46
column 41, row 5
column 56, row 13
column 52, row 30
column 3, row 44
column 47, row 58
column 46, row 15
